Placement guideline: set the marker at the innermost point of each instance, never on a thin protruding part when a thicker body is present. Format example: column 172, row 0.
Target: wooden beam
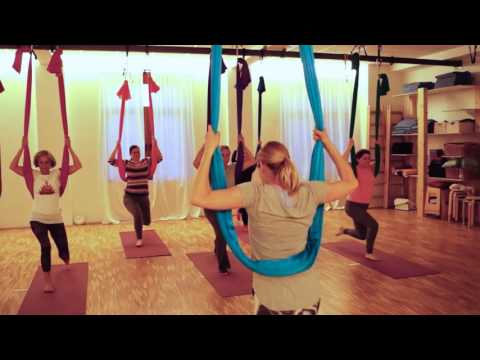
column 247, row 52
column 440, row 55
column 386, row 170
column 422, row 116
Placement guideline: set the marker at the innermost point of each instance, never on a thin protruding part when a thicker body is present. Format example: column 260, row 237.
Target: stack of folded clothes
column 405, row 126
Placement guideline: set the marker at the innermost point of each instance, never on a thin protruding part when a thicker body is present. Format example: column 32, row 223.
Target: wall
column 86, row 191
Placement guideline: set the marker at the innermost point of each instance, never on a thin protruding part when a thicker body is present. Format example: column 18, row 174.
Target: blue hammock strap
column 273, row 267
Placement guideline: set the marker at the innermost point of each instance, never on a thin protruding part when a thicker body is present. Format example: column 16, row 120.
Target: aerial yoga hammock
column 261, row 89
column 300, row 262
column 150, row 141
column 243, row 80
column 124, row 94
column 244, row 175
column 55, row 67
column 353, row 113
column 383, row 87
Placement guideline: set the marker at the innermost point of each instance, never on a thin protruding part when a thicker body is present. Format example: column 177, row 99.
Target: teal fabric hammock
column 300, row 262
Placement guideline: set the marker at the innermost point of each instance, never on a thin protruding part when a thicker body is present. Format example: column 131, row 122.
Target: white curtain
column 173, row 108
column 336, row 80
column 173, row 116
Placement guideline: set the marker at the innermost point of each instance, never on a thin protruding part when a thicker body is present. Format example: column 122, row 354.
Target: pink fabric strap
column 55, row 66
column 124, row 94
column 27, row 163
column 152, row 88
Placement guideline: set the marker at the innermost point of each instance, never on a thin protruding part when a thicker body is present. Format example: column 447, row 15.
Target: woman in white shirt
column 46, row 213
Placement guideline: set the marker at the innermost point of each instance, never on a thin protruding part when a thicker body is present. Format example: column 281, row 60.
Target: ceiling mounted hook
column 379, row 56
column 262, row 53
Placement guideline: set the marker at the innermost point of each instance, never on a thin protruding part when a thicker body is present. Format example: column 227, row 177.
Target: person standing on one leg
column 220, row 243
column 136, row 198
column 366, row 227
column 46, row 213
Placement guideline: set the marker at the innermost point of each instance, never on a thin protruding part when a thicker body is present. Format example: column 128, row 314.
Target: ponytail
column 288, row 177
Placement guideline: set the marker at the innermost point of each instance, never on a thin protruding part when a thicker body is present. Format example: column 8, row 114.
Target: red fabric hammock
column 152, row 88
column 27, row 163
column 124, row 94
column 55, row 67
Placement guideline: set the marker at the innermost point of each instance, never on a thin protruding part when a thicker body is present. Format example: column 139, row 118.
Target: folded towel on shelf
column 405, row 126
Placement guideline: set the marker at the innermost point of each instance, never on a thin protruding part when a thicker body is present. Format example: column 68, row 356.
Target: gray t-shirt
column 278, row 228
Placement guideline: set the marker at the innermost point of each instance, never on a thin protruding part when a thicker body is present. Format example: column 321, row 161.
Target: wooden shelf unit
column 461, row 98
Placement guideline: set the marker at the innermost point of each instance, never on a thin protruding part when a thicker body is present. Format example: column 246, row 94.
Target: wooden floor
column 172, row 285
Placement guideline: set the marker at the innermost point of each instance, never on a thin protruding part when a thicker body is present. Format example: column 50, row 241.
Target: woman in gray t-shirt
column 281, row 210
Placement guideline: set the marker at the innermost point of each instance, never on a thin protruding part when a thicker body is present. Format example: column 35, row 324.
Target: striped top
column 137, row 176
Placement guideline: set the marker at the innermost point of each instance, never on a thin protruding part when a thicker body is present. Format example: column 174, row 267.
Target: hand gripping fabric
column 300, row 262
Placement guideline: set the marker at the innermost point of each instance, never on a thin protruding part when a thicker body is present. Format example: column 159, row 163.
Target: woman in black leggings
column 366, row 227
column 220, row 243
column 136, row 193
column 46, row 213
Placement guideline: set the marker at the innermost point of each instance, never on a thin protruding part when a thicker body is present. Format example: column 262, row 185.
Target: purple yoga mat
column 152, row 245
column 388, row 264
column 239, row 282
column 69, row 298
column 242, row 232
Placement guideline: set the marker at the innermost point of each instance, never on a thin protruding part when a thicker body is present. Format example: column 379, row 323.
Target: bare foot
column 371, row 257
column 225, row 272
column 139, row 243
column 48, row 287
column 340, row 231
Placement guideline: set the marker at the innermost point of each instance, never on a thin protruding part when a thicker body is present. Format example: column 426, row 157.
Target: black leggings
column 366, row 227
column 139, row 207
column 59, row 236
column 220, row 243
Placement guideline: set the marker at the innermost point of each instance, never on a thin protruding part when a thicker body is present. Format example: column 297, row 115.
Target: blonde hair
column 41, row 153
column 275, row 155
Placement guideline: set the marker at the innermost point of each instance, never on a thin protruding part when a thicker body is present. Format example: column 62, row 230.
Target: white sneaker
column 139, row 243
column 340, row 231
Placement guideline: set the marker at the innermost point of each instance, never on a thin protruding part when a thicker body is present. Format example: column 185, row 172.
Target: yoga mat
column 152, row 245
column 388, row 264
column 239, row 282
column 69, row 298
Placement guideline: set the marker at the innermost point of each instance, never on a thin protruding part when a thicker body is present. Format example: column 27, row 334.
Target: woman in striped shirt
column 136, row 193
